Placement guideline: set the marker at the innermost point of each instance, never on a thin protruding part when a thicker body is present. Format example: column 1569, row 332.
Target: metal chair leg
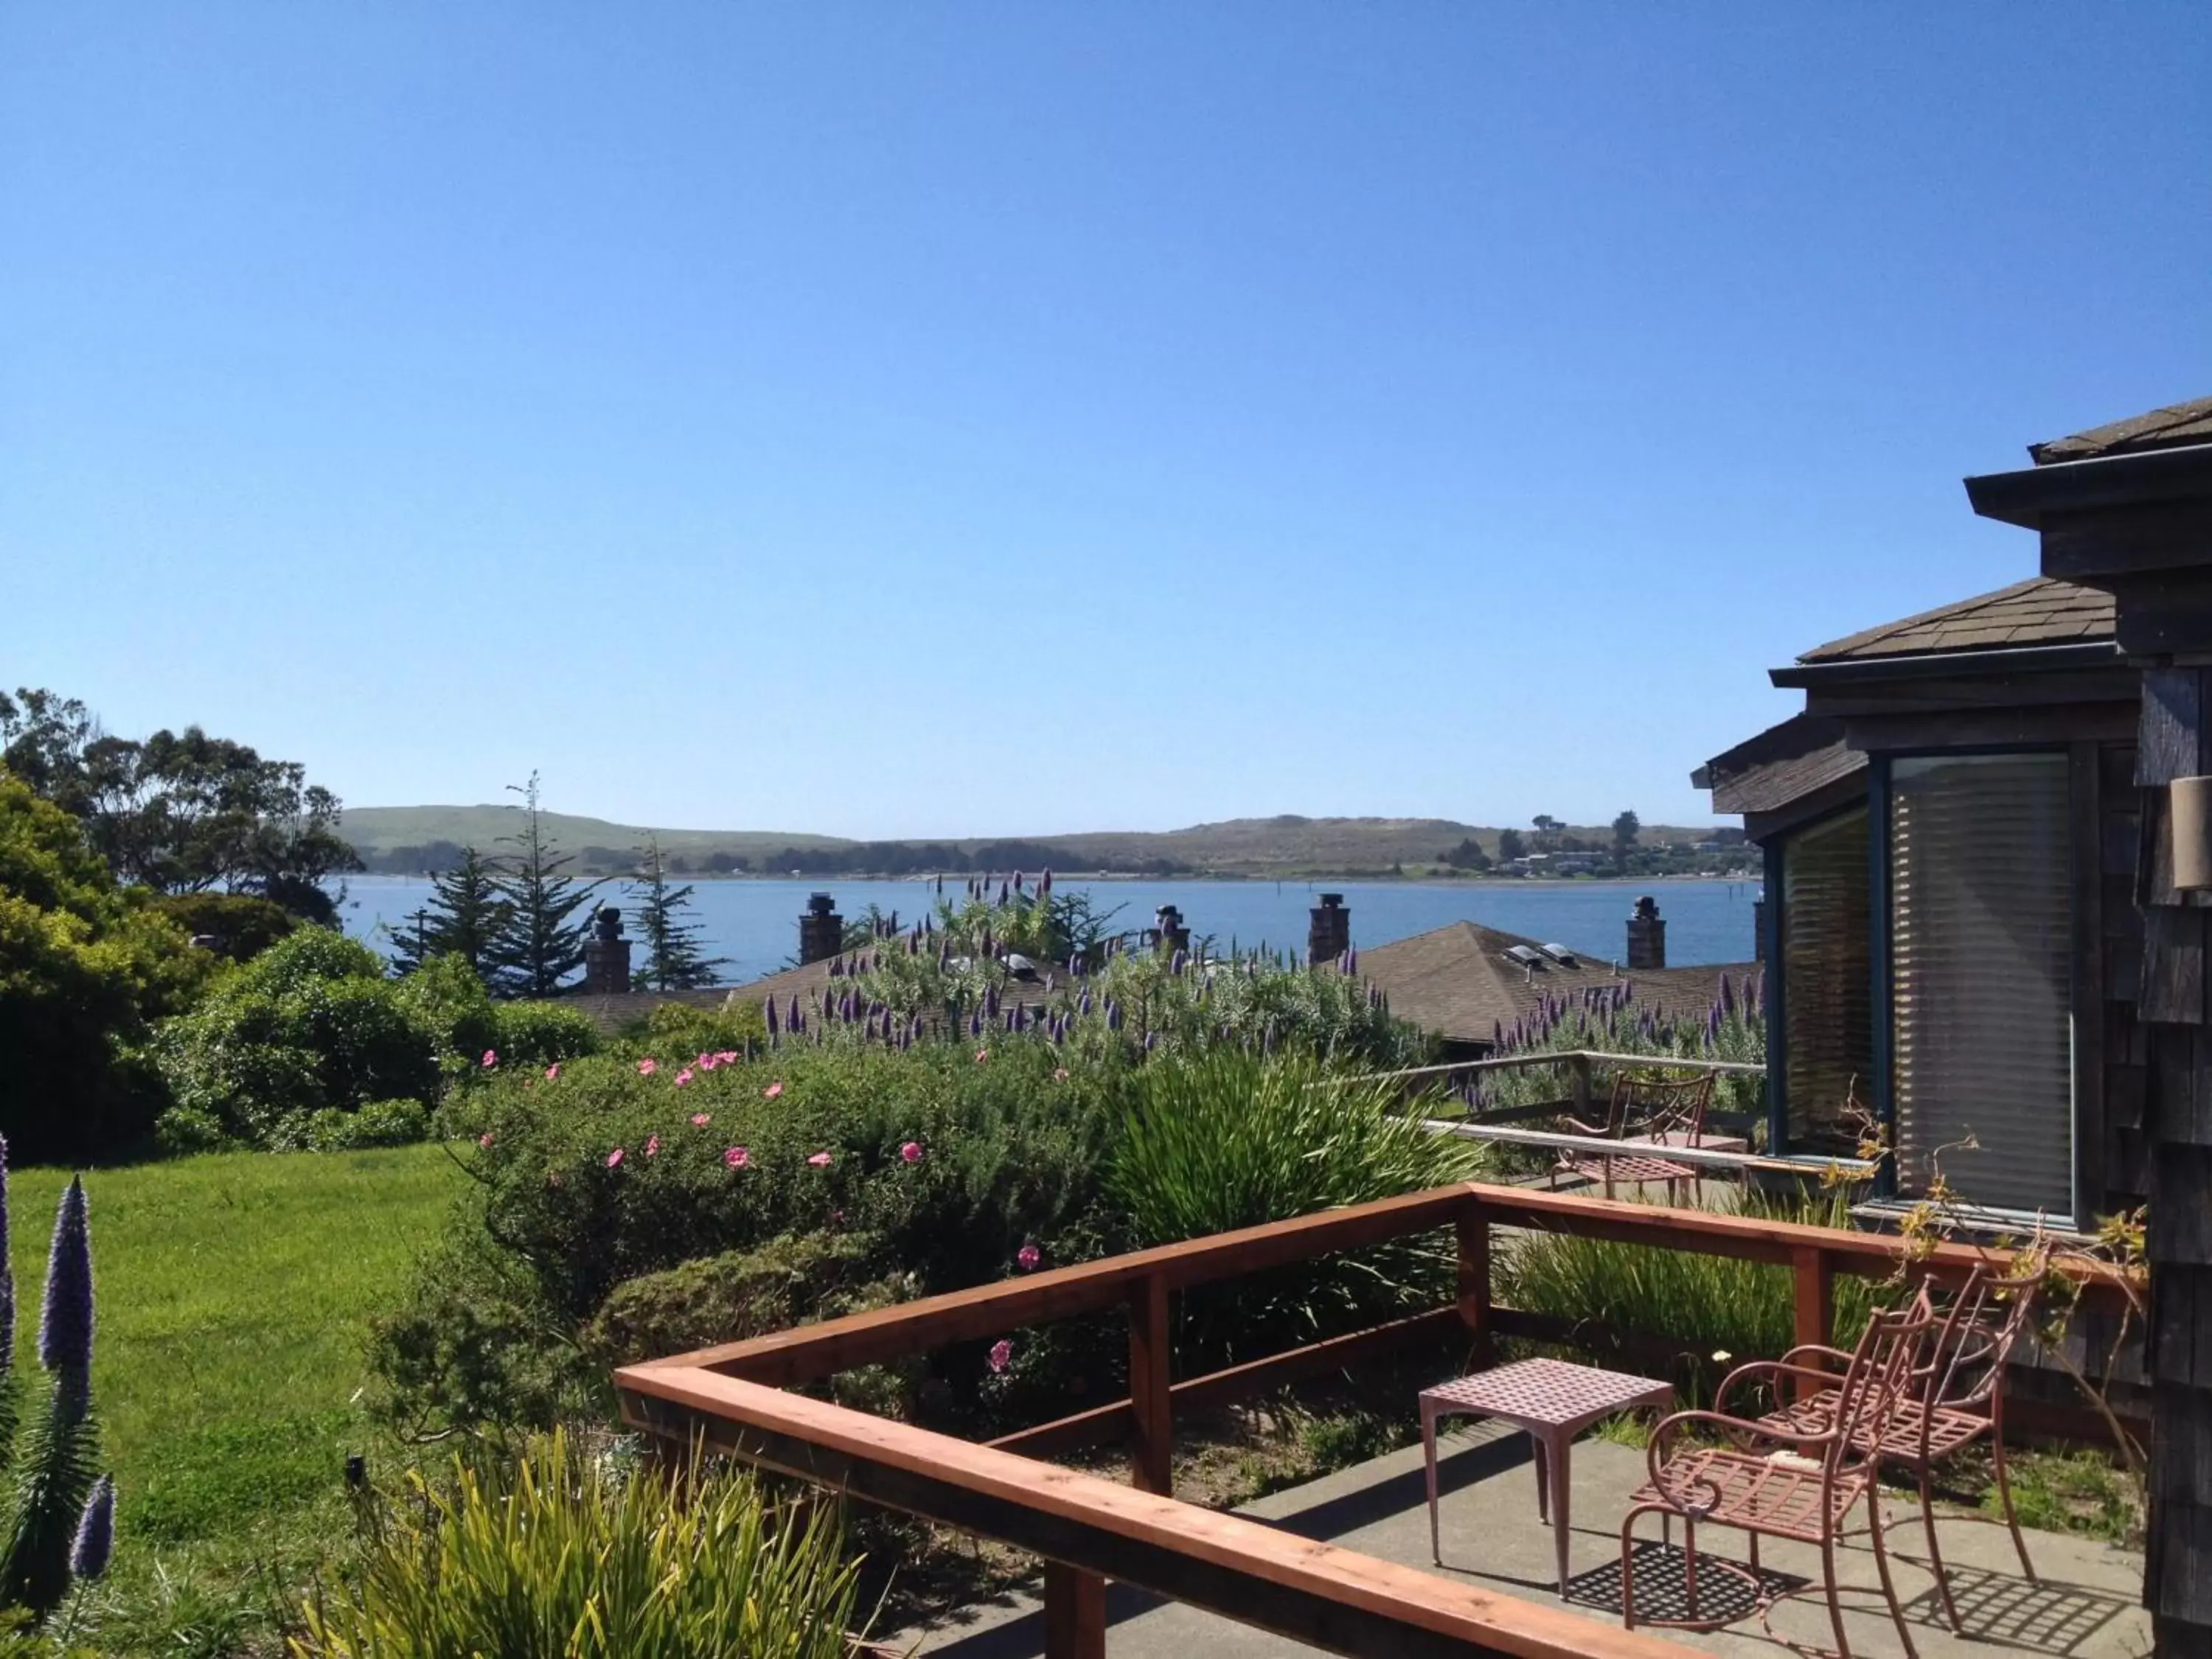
column 2004, row 1496
column 1934, row 1554
column 1835, row 1602
column 1881, row 1566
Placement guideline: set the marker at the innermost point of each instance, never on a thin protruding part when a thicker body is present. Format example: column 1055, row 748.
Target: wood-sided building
column 1972, row 924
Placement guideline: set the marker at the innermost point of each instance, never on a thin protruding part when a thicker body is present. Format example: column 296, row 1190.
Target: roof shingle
column 2041, row 610
column 2161, row 428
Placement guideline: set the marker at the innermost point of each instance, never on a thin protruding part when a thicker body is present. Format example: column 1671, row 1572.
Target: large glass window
column 1980, row 971
column 1827, row 992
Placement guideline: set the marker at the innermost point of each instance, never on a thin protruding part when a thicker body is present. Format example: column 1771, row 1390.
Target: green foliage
column 673, row 960
column 2079, row 1491
column 84, row 970
column 182, row 813
column 571, row 1554
column 541, row 944
column 787, row 1281
column 540, row 1033
column 466, row 917
column 1718, row 1312
column 1229, row 1140
column 242, row 925
column 310, row 1025
column 679, row 1028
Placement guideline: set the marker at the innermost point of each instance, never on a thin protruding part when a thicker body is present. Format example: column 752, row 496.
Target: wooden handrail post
column 1152, row 1455
column 1814, row 1272
column 1578, row 1084
column 1473, row 1229
column 1074, row 1614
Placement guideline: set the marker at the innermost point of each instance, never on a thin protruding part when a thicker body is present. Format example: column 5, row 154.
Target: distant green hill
column 413, row 838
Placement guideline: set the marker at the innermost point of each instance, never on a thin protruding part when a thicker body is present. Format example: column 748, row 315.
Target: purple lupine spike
column 1727, row 998
column 1175, row 963
column 1113, row 1015
column 1044, row 882
column 1082, row 1002
column 1152, row 1038
column 1017, row 881
column 1352, row 960
column 769, row 1007
column 65, row 1322
column 95, row 1533
column 991, row 1000
column 1002, row 892
column 975, row 1023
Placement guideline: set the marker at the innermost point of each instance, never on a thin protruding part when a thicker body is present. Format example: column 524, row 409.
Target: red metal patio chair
column 1647, row 1108
column 1767, row 1480
column 1956, row 1397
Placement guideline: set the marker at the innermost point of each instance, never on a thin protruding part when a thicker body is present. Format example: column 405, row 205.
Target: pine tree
column 466, row 915
column 672, row 960
column 540, row 945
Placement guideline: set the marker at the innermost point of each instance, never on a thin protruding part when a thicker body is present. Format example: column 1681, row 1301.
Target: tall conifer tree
column 541, row 944
column 673, row 959
column 466, row 915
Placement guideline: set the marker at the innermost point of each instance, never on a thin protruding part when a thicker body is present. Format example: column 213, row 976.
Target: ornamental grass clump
column 1235, row 1140
column 573, row 1554
column 58, row 1524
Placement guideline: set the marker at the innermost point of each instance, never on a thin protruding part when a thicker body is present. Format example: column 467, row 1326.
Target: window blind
column 1980, row 967
column 1827, row 993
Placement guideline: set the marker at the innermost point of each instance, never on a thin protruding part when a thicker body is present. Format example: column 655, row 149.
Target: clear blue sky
column 913, row 419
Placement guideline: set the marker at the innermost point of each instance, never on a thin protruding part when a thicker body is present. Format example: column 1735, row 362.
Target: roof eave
column 2024, row 497
column 1948, row 665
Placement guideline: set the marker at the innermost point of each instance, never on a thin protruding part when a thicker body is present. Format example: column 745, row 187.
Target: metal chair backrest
column 1970, row 1345
column 1882, row 1371
column 1643, row 1104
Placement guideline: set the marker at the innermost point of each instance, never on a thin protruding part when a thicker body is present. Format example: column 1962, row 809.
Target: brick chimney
column 1329, row 936
column 606, row 955
column 821, row 930
column 1169, row 933
column 1647, row 935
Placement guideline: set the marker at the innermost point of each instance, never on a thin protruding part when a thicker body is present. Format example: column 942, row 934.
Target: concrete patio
column 2084, row 1607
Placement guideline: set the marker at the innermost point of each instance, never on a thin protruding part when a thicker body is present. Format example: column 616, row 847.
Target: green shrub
column 1706, row 1305
column 1231, row 1140
column 474, row 1345
column 680, row 1028
column 745, row 1293
column 569, row 1555
column 311, row 1025
column 379, row 1123
column 1008, row 1154
column 541, row 1033
column 85, row 967
column 242, row 925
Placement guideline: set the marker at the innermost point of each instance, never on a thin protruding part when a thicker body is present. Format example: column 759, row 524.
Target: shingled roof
column 1782, row 763
column 2170, row 428
column 2041, row 610
column 1457, row 982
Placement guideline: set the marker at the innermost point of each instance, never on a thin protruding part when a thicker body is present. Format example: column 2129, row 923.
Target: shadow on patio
column 2084, row 1607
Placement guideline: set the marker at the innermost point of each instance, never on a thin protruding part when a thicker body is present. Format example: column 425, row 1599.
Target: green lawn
column 232, row 1295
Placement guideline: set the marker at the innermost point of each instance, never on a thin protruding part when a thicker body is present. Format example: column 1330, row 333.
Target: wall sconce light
column 2190, row 813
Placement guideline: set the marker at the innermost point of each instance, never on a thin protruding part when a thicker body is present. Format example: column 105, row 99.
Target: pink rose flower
column 683, row 1077
column 982, row 1055
column 700, row 1120
column 772, row 1092
column 647, row 1068
column 728, row 1056
column 737, row 1158
column 484, row 1140
column 1028, row 1257
column 911, row 1151
column 614, row 1159
column 1002, row 1354
column 653, row 1145
column 553, row 1073
column 819, row 1160
column 491, row 1057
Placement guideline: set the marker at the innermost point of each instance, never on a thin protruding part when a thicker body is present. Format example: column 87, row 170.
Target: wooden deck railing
column 1089, row 1529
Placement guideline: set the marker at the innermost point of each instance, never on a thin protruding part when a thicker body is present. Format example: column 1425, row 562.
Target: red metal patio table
column 1552, row 1401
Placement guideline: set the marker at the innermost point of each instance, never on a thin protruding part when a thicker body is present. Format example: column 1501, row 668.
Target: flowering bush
column 810, row 1139
column 1609, row 1017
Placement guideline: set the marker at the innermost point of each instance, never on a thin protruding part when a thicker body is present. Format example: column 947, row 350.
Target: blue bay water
column 755, row 923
